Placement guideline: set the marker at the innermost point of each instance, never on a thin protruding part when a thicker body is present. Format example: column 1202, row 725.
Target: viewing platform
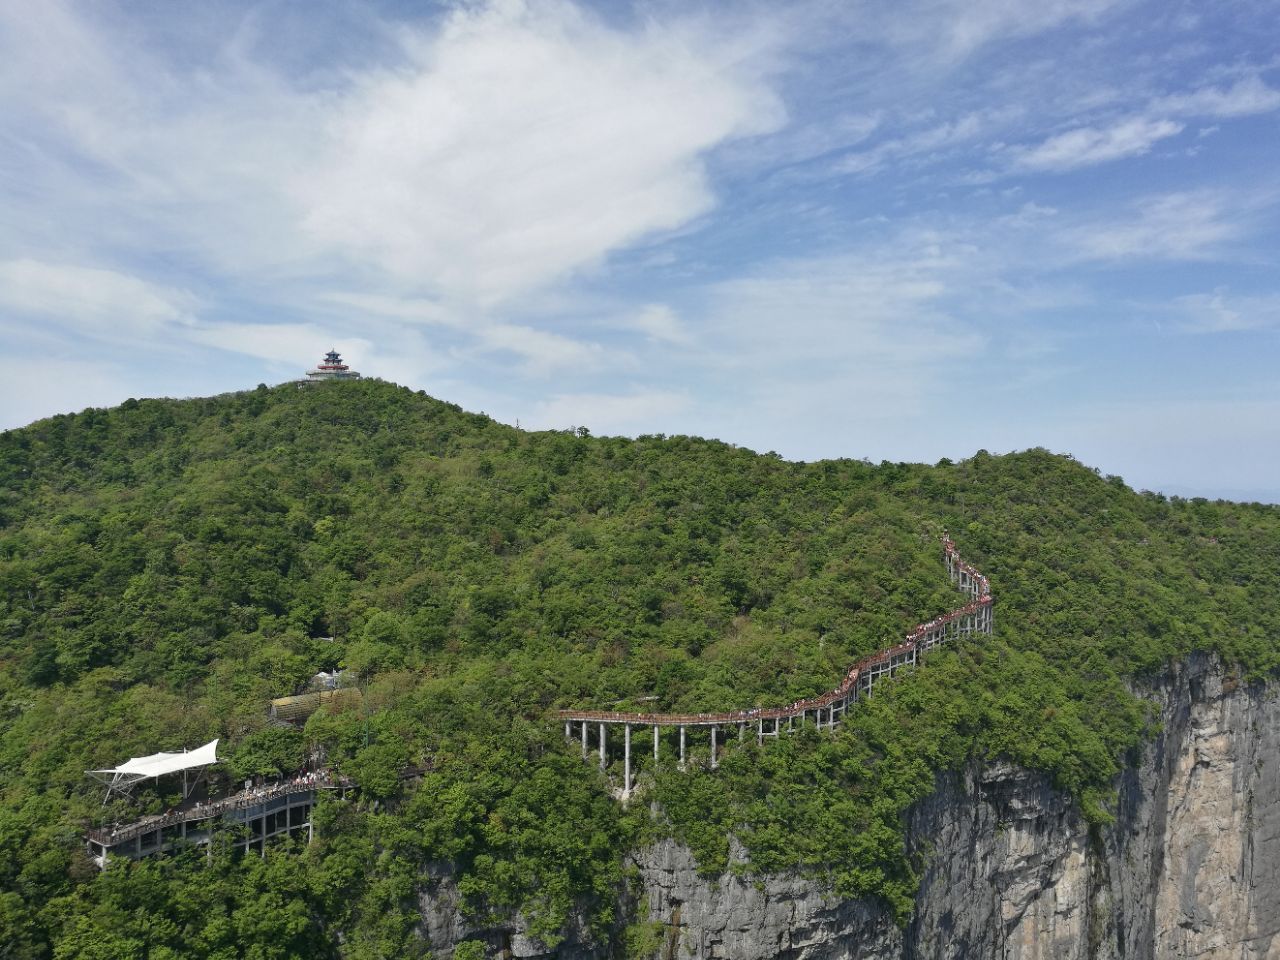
column 283, row 808
column 332, row 368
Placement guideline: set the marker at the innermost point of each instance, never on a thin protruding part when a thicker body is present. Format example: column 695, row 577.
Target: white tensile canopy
column 121, row 778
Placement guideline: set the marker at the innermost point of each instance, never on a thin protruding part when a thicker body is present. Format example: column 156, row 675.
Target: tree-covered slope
column 166, row 567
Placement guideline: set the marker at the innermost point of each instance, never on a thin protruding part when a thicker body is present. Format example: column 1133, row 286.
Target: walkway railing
column 859, row 681
column 244, row 800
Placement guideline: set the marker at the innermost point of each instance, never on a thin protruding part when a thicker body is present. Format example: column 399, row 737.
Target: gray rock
column 1190, row 868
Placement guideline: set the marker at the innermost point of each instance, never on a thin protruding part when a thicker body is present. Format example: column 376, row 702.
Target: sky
column 897, row 231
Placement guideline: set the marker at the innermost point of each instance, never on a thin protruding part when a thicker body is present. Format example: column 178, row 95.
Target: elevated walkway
column 280, row 809
column 825, row 711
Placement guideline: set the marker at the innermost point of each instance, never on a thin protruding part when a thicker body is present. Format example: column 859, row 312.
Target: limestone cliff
column 1190, row 868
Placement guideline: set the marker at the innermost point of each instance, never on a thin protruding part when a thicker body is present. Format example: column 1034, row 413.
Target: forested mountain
column 167, row 567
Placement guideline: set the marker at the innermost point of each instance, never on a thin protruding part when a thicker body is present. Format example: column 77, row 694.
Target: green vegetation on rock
column 167, row 567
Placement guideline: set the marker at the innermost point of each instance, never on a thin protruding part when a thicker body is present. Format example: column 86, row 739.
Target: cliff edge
column 1190, row 867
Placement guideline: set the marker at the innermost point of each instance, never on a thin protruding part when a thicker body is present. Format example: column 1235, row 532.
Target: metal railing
column 973, row 617
column 244, row 800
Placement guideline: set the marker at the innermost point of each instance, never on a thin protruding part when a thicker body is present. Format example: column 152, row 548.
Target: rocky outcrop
column 1190, row 868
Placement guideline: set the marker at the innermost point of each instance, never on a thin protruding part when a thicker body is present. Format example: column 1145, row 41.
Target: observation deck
column 279, row 809
column 331, row 368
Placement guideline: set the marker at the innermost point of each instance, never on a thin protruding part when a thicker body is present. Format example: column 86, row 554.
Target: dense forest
column 167, row 567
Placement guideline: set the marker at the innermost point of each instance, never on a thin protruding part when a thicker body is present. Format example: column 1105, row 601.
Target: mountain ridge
column 168, row 566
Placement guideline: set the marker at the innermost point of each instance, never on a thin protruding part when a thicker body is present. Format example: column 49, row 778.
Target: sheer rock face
column 1190, row 868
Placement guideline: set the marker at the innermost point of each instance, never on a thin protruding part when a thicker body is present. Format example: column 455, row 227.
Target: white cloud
column 1249, row 95
column 970, row 24
column 290, row 348
column 938, row 137
column 1086, row 146
column 659, row 322
column 509, row 145
column 93, row 301
column 542, row 352
column 817, row 351
column 957, row 28
column 1220, row 312
column 643, row 411
column 414, row 309
column 1135, row 135
column 523, row 143
column 1176, row 226
column 285, row 343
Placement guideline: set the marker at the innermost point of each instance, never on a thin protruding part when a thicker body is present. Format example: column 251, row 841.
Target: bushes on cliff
column 168, row 566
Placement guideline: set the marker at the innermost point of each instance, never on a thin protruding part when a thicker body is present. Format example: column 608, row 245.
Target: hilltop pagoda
column 331, row 369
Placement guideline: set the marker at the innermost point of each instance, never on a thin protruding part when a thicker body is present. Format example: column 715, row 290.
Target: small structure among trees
column 332, row 368
column 261, row 811
column 122, row 779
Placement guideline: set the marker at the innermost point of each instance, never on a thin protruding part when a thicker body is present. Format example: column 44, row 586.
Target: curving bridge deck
column 825, row 710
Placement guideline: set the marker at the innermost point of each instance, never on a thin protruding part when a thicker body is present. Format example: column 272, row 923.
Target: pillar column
column 626, row 760
column 655, row 744
column 602, row 746
column 713, row 746
column 584, row 739
column 682, row 746
column 760, row 732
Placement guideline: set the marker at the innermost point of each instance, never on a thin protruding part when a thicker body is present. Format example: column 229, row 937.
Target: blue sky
column 898, row 231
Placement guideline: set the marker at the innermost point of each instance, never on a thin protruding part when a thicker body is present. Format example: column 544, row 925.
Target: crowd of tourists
column 253, row 794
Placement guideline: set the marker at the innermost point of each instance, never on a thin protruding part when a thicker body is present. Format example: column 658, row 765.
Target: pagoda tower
column 332, row 368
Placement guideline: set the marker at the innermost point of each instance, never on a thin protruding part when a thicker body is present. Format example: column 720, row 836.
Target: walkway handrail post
column 974, row 617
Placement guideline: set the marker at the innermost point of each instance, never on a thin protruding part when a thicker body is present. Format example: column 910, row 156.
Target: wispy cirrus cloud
column 659, row 322
column 1086, row 146
column 1247, row 96
column 90, row 300
column 1135, row 135
column 1223, row 312
column 1190, row 225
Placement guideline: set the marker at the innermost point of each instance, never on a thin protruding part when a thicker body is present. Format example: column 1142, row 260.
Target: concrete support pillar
column 568, row 729
column 584, row 739
column 626, row 760
column 603, row 744
column 682, row 746
column 655, row 744
column 741, row 729
column 713, row 746
column 760, row 732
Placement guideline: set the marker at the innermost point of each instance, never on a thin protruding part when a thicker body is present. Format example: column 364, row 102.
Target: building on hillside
column 331, row 369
